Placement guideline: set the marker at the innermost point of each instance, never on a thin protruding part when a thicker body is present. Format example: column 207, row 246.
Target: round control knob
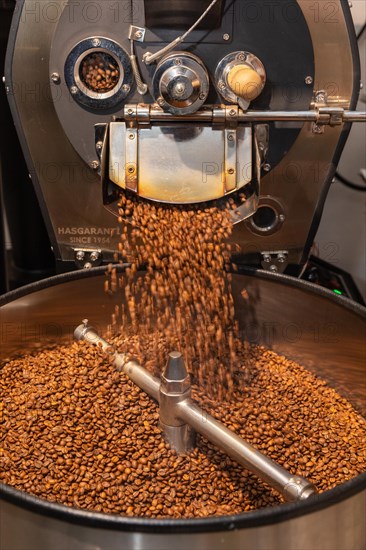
column 240, row 78
column 245, row 82
column 180, row 83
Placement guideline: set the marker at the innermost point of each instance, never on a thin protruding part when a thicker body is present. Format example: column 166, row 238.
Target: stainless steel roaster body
column 323, row 332
column 256, row 101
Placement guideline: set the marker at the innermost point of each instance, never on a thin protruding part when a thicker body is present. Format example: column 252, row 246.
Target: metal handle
column 138, row 374
column 178, row 407
column 217, row 113
column 291, row 487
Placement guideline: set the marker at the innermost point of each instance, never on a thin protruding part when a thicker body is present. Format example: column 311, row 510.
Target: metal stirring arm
column 180, row 417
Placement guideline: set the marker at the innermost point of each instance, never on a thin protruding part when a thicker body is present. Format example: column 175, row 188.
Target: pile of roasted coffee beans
column 77, row 432
column 99, row 72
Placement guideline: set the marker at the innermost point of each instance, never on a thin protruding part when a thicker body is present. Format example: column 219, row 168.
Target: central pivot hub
column 180, row 88
column 181, row 83
column 175, row 387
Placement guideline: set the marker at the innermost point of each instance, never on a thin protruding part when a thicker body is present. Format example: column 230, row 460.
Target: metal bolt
column 361, row 85
column 130, row 112
column 230, row 137
column 55, row 77
column 74, row 90
column 241, row 56
column 177, row 61
column 180, row 88
column 126, row 88
column 231, row 171
column 3, row 79
column 267, row 167
column 317, row 129
column 282, row 218
column 160, row 101
column 273, row 268
column 94, row 164
column 138, row 35
column 350, row 4
column 202, row 95
column 131, row 136
column 309, row 80
column 226, row 36
column 80, row 255
column 99, row 145
column 130, row 169
column 221, row 85
column 88, row 265
column 232, row 112
column 94, row 256
column 96, row 42
column 267, row 258
column 320, row 97
column 281, row 258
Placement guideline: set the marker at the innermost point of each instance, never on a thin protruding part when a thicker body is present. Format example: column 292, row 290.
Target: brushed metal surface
column 338, row 527
column 170, row 161
column 69, row 190
column 300, row 178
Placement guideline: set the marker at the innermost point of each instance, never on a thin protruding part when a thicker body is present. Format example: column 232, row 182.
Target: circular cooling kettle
column 320, row 330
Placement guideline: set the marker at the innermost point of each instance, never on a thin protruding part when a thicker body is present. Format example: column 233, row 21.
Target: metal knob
column 181, row 83
column 245, row 82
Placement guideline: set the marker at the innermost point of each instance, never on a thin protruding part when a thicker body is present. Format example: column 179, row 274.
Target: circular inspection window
column 98, row 73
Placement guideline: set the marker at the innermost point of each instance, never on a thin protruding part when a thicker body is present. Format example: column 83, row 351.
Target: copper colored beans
column 75, row 431
column 99, row 72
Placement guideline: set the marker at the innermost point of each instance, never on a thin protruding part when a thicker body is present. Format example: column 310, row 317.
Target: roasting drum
column 322, row 331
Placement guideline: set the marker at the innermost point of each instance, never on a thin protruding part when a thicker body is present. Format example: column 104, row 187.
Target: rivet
column 55, row 77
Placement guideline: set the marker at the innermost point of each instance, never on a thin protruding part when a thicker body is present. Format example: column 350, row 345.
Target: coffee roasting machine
column 180, row 102
column 183, row 102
